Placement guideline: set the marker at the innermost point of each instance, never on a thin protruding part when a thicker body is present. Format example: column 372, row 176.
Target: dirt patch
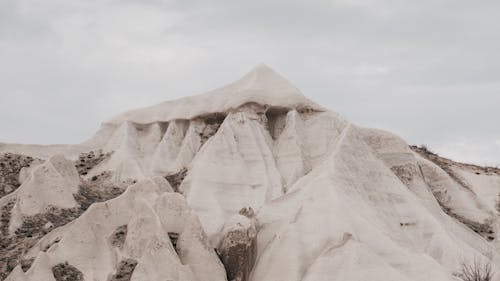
column 99, row 188
column 124, row 271
column 5, row 218
column 88, row 160
column 405, row 173
column 118, row 237
column 176, row 179
column 10, row 166
column 247, row 212
column 66, row 272
column 40, row 224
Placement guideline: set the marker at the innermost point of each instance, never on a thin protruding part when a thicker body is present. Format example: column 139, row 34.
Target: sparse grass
column 426, row 149
column 477, row 271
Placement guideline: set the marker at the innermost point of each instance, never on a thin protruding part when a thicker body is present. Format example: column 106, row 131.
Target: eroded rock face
column 13, row 246
column 237, row 248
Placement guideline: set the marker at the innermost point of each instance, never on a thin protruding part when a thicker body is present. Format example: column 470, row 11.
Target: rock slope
column 248, row 182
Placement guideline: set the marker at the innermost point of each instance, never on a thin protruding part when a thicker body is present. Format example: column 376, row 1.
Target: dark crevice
column 276, row 120
column 239, row 258
column 213, row 123
column 237, row 250
column 173, row 238
column 118, row 237
column 66, row 272
column 26, row 264
column 124, row 270
column 214, row 118
column 176, row 179
column 47, row 247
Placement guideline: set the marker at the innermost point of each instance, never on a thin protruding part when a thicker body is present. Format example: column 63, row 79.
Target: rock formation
column 248, row 182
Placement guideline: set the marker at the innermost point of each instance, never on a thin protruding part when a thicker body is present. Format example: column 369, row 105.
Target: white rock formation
column 332, row 200
column 149, row 213
column 51, row 184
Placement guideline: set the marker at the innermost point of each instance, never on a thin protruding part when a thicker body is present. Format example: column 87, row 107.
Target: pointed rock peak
column 264, row 79
column 262, row 66
column 262, row 85
column 263, row 69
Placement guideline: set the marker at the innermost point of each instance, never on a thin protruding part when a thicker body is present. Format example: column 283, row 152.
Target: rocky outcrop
column 237, row 248
column 333, row 201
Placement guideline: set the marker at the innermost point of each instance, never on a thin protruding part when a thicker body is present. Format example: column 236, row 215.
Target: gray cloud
column 426, row 70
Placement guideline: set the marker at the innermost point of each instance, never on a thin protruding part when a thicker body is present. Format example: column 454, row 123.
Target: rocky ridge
column 251, row 181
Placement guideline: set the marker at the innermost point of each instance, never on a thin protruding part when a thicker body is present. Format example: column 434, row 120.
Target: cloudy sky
column 426, row 70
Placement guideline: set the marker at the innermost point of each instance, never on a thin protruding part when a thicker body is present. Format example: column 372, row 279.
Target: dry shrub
column 476, row 271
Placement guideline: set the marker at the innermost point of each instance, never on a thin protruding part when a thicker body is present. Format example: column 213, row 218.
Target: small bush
column 476, row 271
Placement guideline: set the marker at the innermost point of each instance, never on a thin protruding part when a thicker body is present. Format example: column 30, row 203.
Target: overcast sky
column 426, row 70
